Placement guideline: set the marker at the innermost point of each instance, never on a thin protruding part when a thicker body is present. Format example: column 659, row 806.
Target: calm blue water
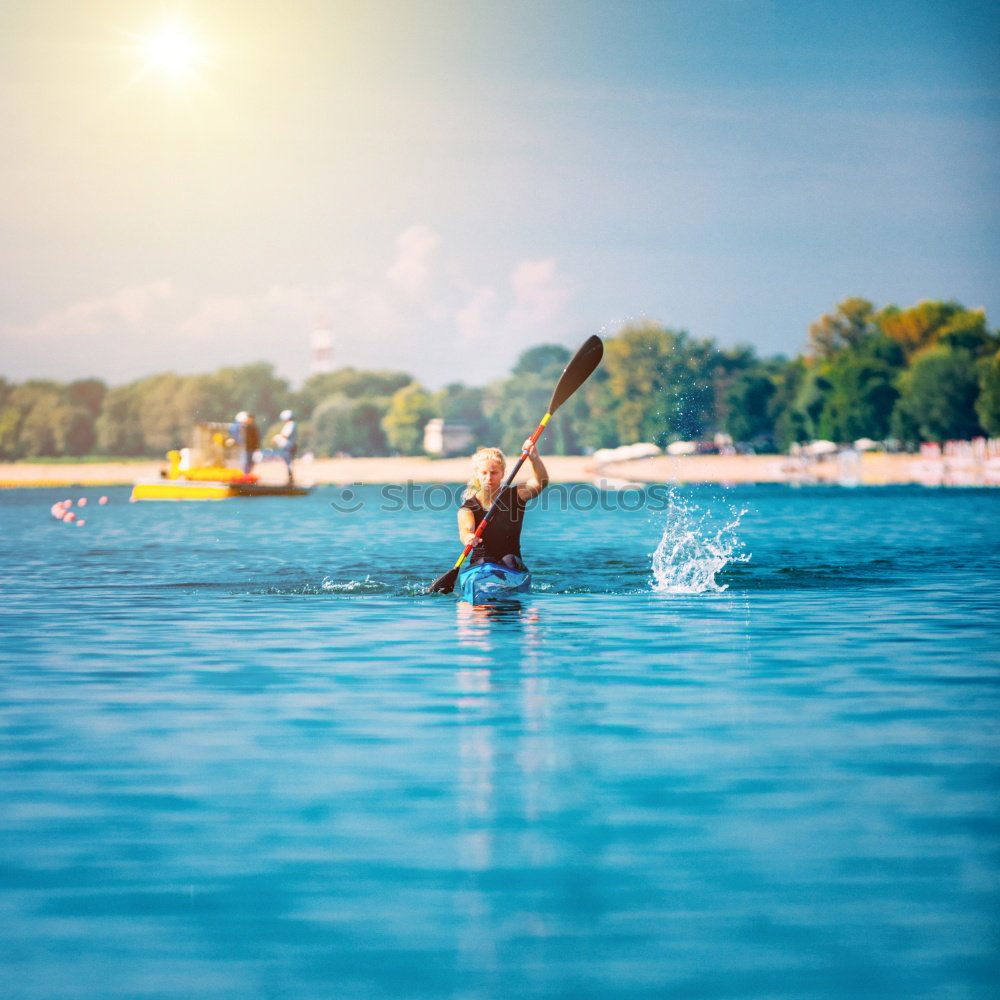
column 242, row 755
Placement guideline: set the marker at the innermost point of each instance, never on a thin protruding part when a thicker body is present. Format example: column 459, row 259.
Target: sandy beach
column 873, row 469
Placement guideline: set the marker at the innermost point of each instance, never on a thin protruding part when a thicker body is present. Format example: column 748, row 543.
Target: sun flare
column 172, row 50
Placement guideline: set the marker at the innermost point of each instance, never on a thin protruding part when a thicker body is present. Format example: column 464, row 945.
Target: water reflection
column 476, row 812
column 504, row 611
column 479, row 625
column 501, row 795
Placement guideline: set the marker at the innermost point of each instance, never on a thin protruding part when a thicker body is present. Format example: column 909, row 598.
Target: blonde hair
column 474, row 485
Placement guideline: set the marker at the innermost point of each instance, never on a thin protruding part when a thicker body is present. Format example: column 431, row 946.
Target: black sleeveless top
column 502, row 536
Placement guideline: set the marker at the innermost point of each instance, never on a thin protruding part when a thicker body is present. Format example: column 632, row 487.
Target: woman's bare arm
column 466, row 525
column 539, row 478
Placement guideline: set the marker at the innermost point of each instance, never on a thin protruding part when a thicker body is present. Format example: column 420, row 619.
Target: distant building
column 446, row 439
column 320, row 352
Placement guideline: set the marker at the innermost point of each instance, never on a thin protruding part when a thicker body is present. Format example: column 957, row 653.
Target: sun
column 172, row 50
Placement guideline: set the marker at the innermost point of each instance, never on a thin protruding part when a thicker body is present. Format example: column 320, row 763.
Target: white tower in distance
column 321, row 352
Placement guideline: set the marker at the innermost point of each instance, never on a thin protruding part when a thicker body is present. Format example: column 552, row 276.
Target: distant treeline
column 928, row 373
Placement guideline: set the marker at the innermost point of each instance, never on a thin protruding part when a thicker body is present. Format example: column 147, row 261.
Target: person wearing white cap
column 286, row 441
column 236, row 430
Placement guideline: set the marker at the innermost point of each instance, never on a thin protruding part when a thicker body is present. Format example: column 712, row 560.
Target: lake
column 737, row 743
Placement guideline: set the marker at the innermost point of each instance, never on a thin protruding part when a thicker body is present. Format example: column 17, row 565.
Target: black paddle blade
column 577, row 371
column 445, row 584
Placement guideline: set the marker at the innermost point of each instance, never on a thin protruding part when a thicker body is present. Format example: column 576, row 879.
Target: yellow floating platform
column 184, row 489
column 215, row 474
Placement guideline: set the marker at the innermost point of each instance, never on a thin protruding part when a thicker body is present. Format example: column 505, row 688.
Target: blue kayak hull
column 486, row 581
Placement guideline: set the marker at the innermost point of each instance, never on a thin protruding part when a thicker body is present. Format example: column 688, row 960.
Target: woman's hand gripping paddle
column 580, row 368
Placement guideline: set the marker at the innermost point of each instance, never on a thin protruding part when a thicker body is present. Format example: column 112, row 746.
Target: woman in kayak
column 501, row 541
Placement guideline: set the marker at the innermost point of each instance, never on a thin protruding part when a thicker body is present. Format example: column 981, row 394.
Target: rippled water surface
column 737, row 743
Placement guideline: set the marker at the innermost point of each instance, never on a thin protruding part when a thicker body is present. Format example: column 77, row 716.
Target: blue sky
column 444, row 184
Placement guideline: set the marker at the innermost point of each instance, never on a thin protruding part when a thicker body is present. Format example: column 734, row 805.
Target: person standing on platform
column 250, row 442
column 287, row 441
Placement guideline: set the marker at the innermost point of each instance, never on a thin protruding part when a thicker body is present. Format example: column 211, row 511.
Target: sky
column 443, row 184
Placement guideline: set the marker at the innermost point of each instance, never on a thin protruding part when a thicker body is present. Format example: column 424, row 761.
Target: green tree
column 938, row 397
column 88, row 393
column 202, row 398
column 157, row 413
column 600, row 430
column 461, row 404
column 727, row 367
column 35, row 401
column 859, row 400
column 161, row 422
column 254, row 388
column 967, row 331
column 73, row 430
column 846, row 388
column 879, row 347
column 850, row 322
column 341, row 425
column 930, row 323
column 352, row 383
column 564, row 433
column 10, row 432
column 660, row 382
column 515, row 406
column 789, row 422
column 988, row 403
column 542, row 360
column 749, row 417
column 118, row 429
column 808, row 402
column 36, row 437
column 409, row 410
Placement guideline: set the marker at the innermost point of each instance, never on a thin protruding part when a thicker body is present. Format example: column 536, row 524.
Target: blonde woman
column 501, row 539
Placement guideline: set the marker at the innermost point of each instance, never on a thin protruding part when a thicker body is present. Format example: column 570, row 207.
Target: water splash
column 393, row 587
column 694, row 549
column 365, row 586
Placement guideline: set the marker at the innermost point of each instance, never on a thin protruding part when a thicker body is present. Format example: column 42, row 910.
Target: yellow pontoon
column 202, row 472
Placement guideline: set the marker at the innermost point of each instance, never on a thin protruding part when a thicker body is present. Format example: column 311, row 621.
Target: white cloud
column 477, row 317
column 416, row 250
column 215, row 313
column 538, row 296
column 437, row 322
column 540, row 293
column 374, row 312
column 133, row 304
column 129, row 307
column 494, row 326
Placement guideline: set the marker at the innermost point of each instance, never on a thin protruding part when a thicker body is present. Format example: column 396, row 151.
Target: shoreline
column 849, row 468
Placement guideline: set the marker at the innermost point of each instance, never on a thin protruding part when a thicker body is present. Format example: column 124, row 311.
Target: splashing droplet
column 694, row 549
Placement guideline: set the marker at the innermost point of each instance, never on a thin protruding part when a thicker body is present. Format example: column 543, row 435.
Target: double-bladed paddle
column 580, row 368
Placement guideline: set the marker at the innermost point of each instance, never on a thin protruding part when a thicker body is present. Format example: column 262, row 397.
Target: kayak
column 489, row 581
